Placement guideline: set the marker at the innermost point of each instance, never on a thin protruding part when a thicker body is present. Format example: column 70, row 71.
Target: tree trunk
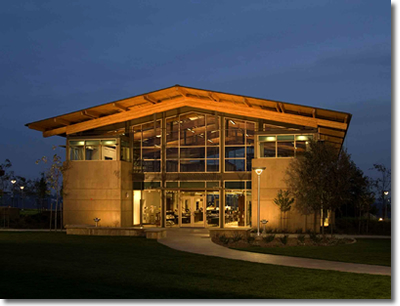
column 331, row 217
column 281, row 221
column 359, row 222
column 322, row 221
column 55, row 215
column 315, row 222
column 305, row 227
column 51, row 213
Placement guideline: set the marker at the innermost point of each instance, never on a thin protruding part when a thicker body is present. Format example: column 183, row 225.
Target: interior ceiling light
column 233, row 122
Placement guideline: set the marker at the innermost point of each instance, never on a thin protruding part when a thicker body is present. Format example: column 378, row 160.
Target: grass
column 365, row 251
column 57, row 266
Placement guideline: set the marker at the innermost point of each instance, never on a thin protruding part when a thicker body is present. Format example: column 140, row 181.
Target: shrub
column 315, row 238
column 237, row 237
column 250, row 239
column 224, row 239
column 299, row 231
column 301, row 238
column 269, row 238
column 284, row 239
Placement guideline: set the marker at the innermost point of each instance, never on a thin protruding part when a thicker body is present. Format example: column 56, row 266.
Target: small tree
column 54, row 180
column 5, row 176
column 284, row 201
column 41, row 190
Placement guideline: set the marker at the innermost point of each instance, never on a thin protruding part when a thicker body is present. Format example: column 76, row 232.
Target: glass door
column 192, row 210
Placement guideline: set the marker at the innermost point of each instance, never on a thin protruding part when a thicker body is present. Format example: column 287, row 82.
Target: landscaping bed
column 278, row 241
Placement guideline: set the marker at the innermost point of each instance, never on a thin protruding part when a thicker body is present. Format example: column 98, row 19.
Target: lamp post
column 386, row 193
column 258, row 171
column 13, row 193
column 22, row 195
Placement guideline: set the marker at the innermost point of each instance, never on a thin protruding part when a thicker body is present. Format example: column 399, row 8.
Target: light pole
column 13, row 193
column 22, row 195
column 258, row 171
column 385, row 193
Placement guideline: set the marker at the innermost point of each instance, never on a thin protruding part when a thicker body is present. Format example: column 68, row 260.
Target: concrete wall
column 98, row 189
column 272, row 179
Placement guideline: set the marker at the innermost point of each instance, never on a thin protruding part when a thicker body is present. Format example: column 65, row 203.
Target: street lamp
column 13, row 194
column 22, row 195
column 386, row 193
column 258, row 171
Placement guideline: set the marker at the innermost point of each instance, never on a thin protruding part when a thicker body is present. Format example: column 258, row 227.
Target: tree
column 319, row 179
column 383, row 185
column 5, row 176
column 284, row 201
column 41, row 190
column 54, row 179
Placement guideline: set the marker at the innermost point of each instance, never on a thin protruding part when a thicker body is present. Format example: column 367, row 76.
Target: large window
column 93, row 149
column 192, row 143
column 239, row 145
column 237, row 203
column 147, row 146
column 283, row 145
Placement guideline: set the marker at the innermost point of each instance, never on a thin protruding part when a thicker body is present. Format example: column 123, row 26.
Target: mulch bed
column 278, row 243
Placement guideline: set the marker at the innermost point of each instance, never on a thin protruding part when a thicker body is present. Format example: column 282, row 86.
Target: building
column 183, row 157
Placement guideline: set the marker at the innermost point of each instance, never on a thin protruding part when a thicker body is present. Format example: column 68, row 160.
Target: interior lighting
column 233, row 122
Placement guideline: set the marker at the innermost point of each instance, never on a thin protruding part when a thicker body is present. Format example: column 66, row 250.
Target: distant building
column 183, row 157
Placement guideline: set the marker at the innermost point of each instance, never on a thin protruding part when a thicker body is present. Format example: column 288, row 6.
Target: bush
column 250, row 239
column 223, row 239
column 301, row 238
column 299, row 231
column 269, row 238
column 315, row 238
column 284, row 239
column 237, row 237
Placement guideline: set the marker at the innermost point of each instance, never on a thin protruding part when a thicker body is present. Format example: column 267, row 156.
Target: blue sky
column 61, row 56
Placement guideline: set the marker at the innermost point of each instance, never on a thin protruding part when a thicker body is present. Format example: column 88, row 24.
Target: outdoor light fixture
column 258, row 171
column 386, row 192
column 22, row 187
column 13, row 181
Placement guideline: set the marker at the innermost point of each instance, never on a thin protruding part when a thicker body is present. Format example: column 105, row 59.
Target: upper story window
column 271, row 146
column 239, row 144
column 147, row 146
column 192, row 141
column 93, row 149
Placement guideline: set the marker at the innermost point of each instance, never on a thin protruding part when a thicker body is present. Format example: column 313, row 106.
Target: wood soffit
column 332, row 124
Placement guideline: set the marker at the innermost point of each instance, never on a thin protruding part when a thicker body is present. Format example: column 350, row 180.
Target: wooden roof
column 331, row 123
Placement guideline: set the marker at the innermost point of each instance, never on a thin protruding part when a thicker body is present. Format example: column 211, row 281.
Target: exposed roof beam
column 150, row 99
column 246, row 102
column 314, row 113
column 282, row 107
column 62, row 121
column 120, row 107
column 213, row 97
column 181, row 92
column 90, row 114
column 277, row 108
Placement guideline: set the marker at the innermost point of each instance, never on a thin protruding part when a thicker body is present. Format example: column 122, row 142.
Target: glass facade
column 192, row 145
column 239, row 145
column 271, row 146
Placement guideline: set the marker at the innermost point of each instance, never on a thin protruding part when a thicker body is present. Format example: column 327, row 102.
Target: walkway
column 198, row 241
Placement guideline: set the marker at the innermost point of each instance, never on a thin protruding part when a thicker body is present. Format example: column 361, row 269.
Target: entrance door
column 192, row 211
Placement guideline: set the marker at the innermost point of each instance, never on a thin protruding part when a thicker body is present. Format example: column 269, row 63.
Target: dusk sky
column 62, row 56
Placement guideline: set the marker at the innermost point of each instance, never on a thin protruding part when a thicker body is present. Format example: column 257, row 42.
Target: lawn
column 57, row 266
column 365, row 251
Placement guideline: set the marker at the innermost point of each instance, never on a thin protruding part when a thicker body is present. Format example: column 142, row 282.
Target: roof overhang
column 332, row 124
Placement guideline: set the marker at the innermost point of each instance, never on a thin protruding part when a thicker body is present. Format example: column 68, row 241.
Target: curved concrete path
column 198, row 241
